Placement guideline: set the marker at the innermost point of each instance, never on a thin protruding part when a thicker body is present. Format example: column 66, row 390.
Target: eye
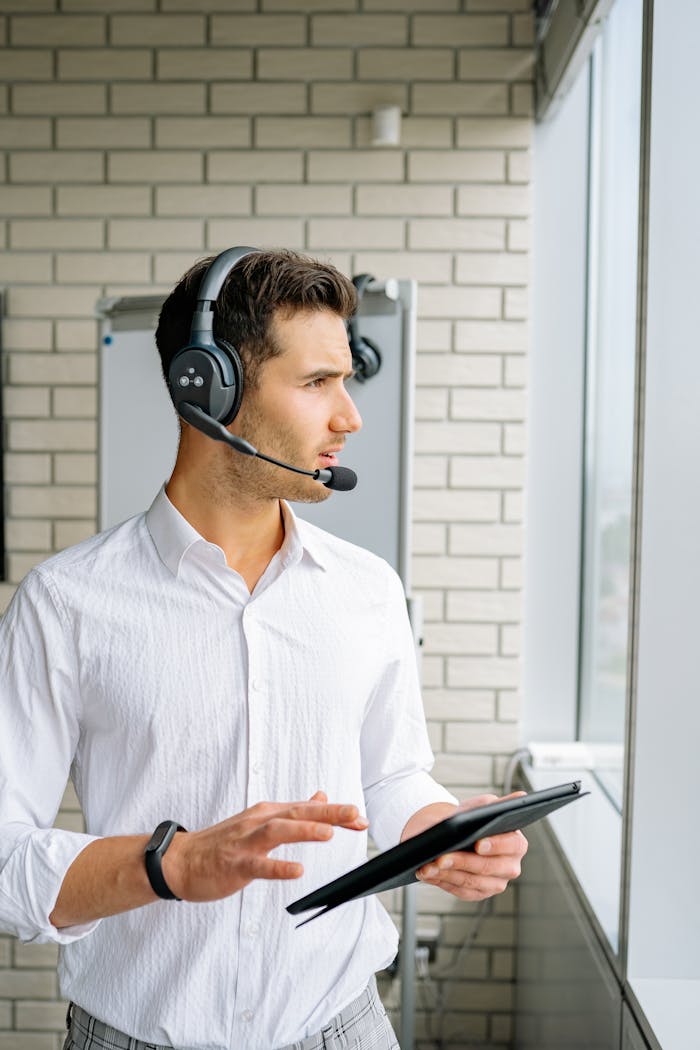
column 316, row 383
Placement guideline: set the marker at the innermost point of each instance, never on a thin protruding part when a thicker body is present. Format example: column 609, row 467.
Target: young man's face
column 300, row 410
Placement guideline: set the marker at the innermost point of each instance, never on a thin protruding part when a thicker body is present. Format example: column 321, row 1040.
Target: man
column 194, row 663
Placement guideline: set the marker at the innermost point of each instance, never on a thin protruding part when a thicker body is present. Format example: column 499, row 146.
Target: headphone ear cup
column 366, row 358
column 210, row 377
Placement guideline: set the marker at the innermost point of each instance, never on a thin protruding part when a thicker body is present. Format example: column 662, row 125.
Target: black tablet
column 461, row 831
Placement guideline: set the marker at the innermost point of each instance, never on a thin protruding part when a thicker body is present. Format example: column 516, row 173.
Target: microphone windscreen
column 342, row 479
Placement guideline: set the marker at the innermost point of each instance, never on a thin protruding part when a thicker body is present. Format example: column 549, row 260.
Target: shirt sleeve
column 39, row 731
column 396, row 753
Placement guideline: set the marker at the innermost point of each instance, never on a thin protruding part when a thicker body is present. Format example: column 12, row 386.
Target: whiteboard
column 138, row 430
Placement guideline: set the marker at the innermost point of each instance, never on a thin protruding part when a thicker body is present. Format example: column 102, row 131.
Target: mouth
column 329, row 457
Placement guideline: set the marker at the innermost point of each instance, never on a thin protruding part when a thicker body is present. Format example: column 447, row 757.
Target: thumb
column 319, row 796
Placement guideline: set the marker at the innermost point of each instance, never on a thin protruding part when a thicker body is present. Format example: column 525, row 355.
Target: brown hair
column 260, row 286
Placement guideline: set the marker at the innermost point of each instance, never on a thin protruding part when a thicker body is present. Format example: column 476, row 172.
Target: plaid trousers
column 362, row 1025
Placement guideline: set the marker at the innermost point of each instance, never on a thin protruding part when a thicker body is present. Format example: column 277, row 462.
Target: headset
column 366, row 358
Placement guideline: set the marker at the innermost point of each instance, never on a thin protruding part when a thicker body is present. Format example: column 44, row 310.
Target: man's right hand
column 218, row 861
column 109, row 876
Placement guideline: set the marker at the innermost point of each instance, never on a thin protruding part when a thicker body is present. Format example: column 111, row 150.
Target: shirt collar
column 174, row 537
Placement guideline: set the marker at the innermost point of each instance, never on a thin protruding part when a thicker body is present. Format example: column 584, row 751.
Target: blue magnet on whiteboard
column 107, row 340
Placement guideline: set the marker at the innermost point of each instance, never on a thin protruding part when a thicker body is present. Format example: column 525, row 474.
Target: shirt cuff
column 30, row 883
column 391, row 805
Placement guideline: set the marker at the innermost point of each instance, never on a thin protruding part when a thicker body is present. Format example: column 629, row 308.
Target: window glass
column 610, row 366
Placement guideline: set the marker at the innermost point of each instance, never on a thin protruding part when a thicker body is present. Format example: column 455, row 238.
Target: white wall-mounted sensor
column 386, row 126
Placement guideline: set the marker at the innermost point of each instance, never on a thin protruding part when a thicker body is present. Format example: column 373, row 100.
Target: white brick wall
column 139, row 134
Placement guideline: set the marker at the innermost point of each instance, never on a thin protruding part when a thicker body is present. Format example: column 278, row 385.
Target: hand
column 483, row 873
column 220, row 860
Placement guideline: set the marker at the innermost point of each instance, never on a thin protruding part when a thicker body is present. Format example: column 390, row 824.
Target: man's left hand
column 471, row 876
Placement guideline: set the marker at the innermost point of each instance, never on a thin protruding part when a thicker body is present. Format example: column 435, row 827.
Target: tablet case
column 461, row 831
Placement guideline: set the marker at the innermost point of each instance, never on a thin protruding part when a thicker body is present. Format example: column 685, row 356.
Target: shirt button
column 256, row 685
column 247, row 1015
column 253, row 929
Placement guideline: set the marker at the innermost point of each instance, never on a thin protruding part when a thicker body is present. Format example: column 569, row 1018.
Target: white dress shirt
column 139, row 663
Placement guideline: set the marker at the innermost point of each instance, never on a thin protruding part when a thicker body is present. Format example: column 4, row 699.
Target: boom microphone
column 340, row 479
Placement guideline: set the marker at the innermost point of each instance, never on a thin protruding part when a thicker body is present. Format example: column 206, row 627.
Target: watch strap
column 155, row 850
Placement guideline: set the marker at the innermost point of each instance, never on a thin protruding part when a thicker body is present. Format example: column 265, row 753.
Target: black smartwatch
column 159, row 842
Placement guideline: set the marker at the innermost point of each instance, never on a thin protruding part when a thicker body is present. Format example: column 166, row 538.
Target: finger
column 260, row 867
column 510, row 842
column 487, row 800
column 339, row 815
column 319, row 796
column 279, row 830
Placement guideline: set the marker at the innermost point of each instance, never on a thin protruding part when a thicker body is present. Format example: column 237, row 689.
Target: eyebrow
column 328, row 373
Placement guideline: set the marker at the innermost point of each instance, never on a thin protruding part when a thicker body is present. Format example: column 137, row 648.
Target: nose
column 346, row 418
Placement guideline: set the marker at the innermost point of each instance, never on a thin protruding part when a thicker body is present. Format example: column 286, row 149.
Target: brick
column 203, row 200
column 304, row 63
column 27, row 1041
column 516, row 304
column 156, row 233
column 416, row 132
column 193, row 133
column 42, row 1016
column 263, row 233
column 359, row 30
column 491, row 336
column 504, row 133
column 107, row 5
column 59, row 98
column 436, row 571
column 104, row 63
column 430, row 404
column 76, row 335
column 5, row 1013
column 109, row 133
column 404, row 200
column 457, row 234
column 54, row 167
column 519, row 166
column 356, row 97
column 26, row 334
column 152, row 166
column 205, row 63
column 482, row 738
column 428, row 539
column 75, row 468
column 51, row 434
column 511, row 573
column 299, row 200
column 514, row 439
column 453, row 770
column 519, row 235
column 255, row 30
column 22, row 984
column 66, row 534
column 206, row 5
column 159, row 98
column 452, row 505
column 459, row 302
column 487, row 472
column 494, row 200
column 26, row 402
column 75, row 403
column 47, row 234
column 57, row 30
column 258, row 98
column 432, row 670
column 356, row 233
column 495, row 672
column 355, row 166
column 54, row 501
column 189, row 30
column 27, row 468
column 458, row 30
column 255, row 166
column 508, row 706
column 498, row 268
column 516, row 371
column 488, row 404
column 458, row 437
column 460, row 98
column 21, row 200
column 490, row 539
column 377, row 63
column 53, row 302
column 523, row 30
column 433, row 336
column 26, row 64
column 102, row 201
column 25, row 267
column 511, row 640
column 76, row 267
column 474, row 705
column 513, row 506
column 309, row 5
column 496, row 64
column 522, row 100
column 27, row 535
column 470, row 639
column 429, row 472
column 16, row 133
column 426, row 267
column 456, row 166
column 54, row 369
column 457, row 370
column 302, row 132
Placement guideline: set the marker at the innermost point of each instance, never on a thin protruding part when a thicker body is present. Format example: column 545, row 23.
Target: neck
column 250, row 531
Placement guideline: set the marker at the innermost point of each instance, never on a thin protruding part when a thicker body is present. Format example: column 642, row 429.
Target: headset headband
column 202, row 330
